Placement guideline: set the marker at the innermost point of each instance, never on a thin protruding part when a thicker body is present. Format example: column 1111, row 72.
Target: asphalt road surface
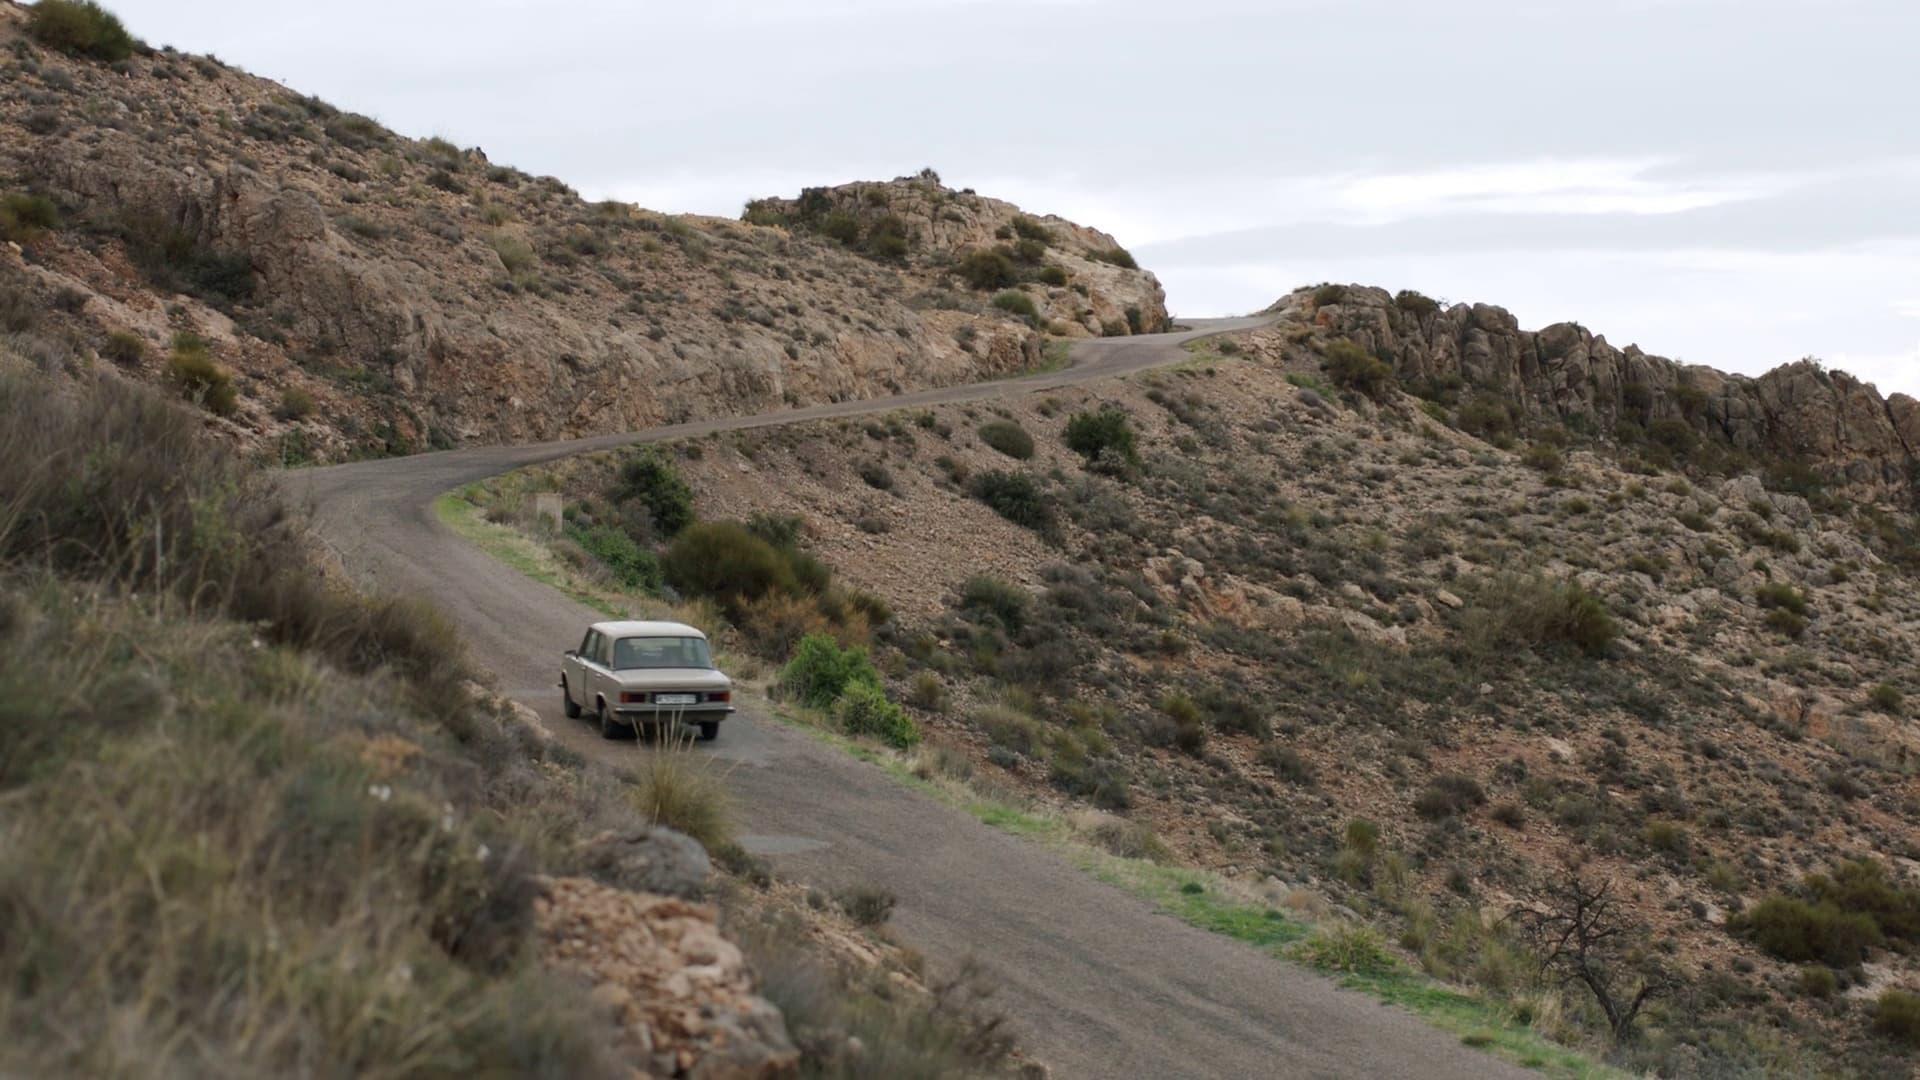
column 1096, row 982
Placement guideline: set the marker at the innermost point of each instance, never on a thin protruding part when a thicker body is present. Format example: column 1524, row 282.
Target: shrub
column 23, row 216
column 1003, row 602
column 866, row 905
column 174, row 258
column 1886, row 697
column 1418, row 304
column 516, row 255
column 295, row 404
column 1536, row 612
column 1051, row 275
column 124, row 348
column 1189, row 733
column 724, row 562
column 1016, row 497
column 984, row 269
column 1818, row 982
column 863, row 709
column 1030, row 229
column 1328, row 293
column 1897, row 1016
column 1018, row 303
column 1799, row 932
column 1449, row 796
column 821, row 670
column 1779, row 594
column 1009, row 438
column 1354, row 368
column 79, row 28
column 632, row 566
column 876, row 476
column 1542, row 457
column 1347, row 948
column 1120, row 257
column 1667, row 837
column 677, row 790
column 194, row 371
column 841, row 226
column 1786, row 622
column 1104, row 432
column 1287, row 764
column 649, row 477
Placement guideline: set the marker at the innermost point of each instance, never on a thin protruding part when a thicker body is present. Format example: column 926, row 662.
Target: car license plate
column 676, row 699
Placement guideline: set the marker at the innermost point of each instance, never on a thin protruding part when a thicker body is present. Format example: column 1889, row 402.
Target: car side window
column 586, row 644
column 602, row 646
column 590, row 648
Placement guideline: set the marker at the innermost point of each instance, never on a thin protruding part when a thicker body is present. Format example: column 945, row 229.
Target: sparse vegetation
column 80, row 28
column 199, row 378
column 1104, row 437
column 1009, row 438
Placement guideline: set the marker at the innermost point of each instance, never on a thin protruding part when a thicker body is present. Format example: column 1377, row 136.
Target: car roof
column 647, row 629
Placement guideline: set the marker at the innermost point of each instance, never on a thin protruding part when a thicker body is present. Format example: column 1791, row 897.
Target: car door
column 600, row 670
column 579, row 671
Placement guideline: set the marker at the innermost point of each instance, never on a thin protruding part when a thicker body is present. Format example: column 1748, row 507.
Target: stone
column 650, row 859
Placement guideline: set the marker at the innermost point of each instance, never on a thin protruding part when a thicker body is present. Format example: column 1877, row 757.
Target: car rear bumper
column 714, row 711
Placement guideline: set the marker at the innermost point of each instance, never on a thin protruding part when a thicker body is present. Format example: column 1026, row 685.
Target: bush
column 124, row 348
column 821, row 671
column 1004, row 603
column 876, row 476
column 199, row 378
column 1051, row 275
column 1354, row 368
column 863, row 709
column 1818, row 982
column 1016, row 497
column 724, row 562
column 22, row 217
column 1897, row 1016
column 1886, row 697
column 1120, row 257
column 1787, row 622
column 649, row 477
column 632, row 566
column 1009, row 438
column 866, row 905
column 1535, row 612
column 79, row 28
column 1542, row 457
column 1779, row 594
column 1104, row 432
column 1411, row 301
column 174, row 258
column 984, row 269
column 1030, row 229
column 1449, row 796
column 1018, row 303
column 1287, row 764
column 679, row 791
column 1799, row 932
column 1347, row 948
column 295, row 404
column 1189, row 733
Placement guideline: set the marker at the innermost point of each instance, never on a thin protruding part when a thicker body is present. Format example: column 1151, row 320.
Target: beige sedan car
column 645, row 675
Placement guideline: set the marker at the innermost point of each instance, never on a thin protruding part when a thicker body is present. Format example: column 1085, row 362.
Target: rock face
column 936, row 227
column 680, row 993
column 376, row 294
column 1800, row 415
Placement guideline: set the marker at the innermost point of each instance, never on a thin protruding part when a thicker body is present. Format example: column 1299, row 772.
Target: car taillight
column 630, row 697
column 720, row 695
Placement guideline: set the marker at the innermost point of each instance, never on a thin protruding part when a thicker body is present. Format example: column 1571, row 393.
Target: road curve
column 1097, row 983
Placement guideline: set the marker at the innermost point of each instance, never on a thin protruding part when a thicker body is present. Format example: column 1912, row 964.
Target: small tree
column 1578, row 934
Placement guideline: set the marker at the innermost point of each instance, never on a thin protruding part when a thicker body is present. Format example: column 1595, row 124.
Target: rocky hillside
column 329, row 288
column 1383, row 660
column 1087, row 284
column 1797, row 421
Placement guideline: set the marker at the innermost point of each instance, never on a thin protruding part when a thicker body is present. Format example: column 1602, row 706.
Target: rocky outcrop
column 377, row 294
column 680, row 994
column 1798, row 416
column 935, row 227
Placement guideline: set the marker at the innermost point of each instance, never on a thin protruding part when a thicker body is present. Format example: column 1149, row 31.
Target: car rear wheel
column 609, row 727
column 567, row 704
column 709, row 730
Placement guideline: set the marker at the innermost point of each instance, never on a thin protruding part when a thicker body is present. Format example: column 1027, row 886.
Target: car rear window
column 661, row 652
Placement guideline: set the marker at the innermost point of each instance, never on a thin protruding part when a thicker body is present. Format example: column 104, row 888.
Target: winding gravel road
column 1097, row 983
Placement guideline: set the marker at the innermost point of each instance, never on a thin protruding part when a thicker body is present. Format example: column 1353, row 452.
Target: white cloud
column 1575, row 186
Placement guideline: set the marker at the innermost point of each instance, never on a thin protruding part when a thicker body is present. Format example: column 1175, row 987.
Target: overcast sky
column 1731, row 182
